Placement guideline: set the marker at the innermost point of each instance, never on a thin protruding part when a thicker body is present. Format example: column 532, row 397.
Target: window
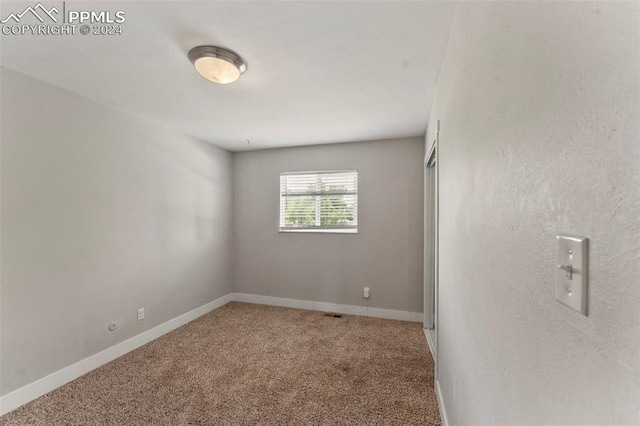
column 319, row 201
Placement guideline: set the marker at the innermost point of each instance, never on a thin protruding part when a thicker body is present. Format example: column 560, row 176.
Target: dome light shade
column 217, row 64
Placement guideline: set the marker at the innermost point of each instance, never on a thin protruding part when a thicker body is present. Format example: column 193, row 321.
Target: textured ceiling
column 318, row 72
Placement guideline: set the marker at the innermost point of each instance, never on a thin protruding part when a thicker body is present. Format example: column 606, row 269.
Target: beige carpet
column 254, row 364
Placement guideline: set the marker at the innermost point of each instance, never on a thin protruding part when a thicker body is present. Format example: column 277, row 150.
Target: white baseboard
column 329, row 307
column 443, row 411
column 429, row 336
column 33, row 390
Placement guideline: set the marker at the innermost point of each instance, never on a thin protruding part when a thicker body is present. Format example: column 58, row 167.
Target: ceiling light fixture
column 217, row 64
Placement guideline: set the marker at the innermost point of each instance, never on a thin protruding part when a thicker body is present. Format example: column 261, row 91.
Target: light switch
column 571, row 275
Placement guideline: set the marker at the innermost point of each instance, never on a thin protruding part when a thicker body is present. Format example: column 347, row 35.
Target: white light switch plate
column 571, row 273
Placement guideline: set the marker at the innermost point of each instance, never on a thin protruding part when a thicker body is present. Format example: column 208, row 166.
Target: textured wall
column 539, row 109
column 386, row 254
column 102, row 213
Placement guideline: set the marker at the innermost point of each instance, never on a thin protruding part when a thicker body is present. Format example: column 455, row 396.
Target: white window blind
column 319, row 201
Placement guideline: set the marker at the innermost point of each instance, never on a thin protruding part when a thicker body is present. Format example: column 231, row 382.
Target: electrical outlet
column 366, row 293
column 140, row 314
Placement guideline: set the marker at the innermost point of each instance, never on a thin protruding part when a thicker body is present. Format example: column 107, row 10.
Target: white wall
column 102, row 212
column 386, row 254
column 539, row 109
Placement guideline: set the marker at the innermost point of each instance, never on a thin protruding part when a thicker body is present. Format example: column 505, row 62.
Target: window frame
column 326, row 230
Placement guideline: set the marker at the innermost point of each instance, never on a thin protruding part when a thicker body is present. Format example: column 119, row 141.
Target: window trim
column 348, row 230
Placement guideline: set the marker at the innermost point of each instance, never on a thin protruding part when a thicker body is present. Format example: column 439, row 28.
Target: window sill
column 318, row 231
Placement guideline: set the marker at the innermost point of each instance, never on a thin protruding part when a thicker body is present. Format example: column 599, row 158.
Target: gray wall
column 386, row 254
column 102, row 213
column 539, row 109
